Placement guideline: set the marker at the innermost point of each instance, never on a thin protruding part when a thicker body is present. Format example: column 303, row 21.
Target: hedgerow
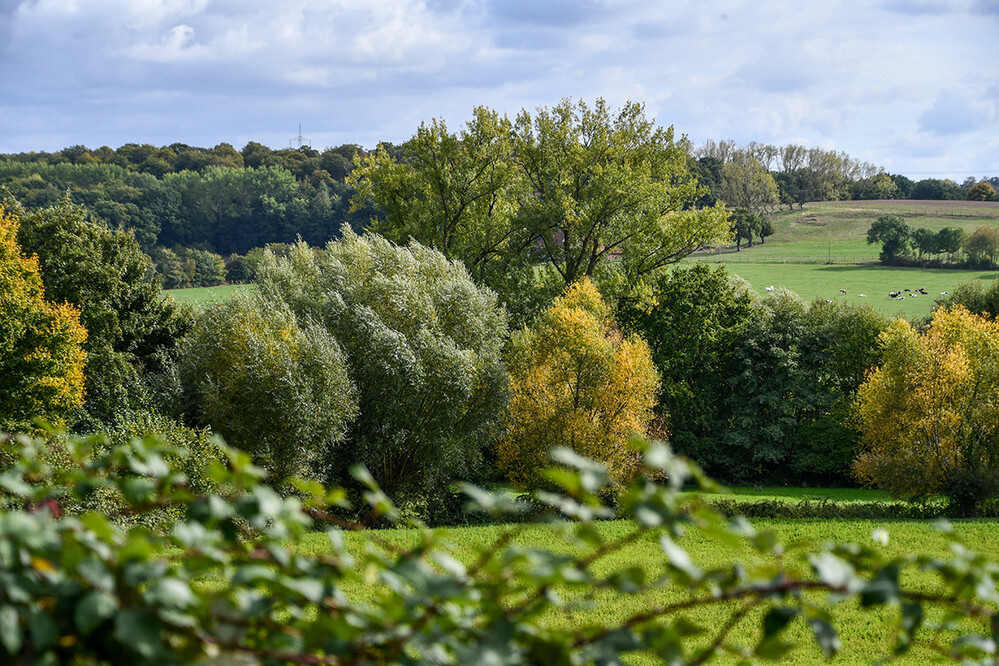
column 227, row 579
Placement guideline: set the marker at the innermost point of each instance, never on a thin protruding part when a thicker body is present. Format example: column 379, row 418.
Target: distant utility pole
column 300, row 140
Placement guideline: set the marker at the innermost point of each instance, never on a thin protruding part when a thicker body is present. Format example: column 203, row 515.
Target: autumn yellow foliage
column 930, row 413
column 576, row 382
column 41, row 358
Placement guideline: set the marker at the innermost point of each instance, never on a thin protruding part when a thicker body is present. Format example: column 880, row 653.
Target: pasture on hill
column 822, row 249
column 811, row 281
column 866, row 635
column 837, row 230
column 198, row 296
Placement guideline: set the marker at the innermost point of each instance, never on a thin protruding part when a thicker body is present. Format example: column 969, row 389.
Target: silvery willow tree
column 423, row 347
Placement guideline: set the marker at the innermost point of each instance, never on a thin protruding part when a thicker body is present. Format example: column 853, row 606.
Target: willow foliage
column 273, row 386
column 423, row 345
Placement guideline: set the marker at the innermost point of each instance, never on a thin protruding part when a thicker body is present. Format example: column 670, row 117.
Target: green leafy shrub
column 691, row 319
column 829, row 510
column 230, row 579
column 977, row 297
column 273, row 386
column 423, row 346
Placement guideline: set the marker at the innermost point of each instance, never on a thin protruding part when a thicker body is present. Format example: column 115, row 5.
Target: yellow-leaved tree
column 930, row 413
column 41, row 357
column 576, row 382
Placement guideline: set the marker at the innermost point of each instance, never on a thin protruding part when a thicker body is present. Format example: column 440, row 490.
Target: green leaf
column 773, row 649
column 170, row 592
column 974, row 645
column 678, row 558
column 93, row 609
column 139, row 631
column 96, row 573
column 833, row 571
column 881, row 589
column 909, row 623
column 825, row 636
column 776, row 619
column 766, row 541
column 138, row 490
column 44, row 631
column 11, row 634
column 629, row 580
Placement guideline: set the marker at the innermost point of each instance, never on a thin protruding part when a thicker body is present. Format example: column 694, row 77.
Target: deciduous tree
column 567, row 187
column 928, row 413
column 604, row 182
column 41, row 354
column 893, row 234
column 131, row 325
column 981, row 192
column 275, row 388
column 691, row 320
column 423, row 344
column 576, row 382
column 982, row 247
column 748, row 185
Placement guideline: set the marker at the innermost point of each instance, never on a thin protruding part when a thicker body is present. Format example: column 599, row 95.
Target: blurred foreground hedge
column 226, row 581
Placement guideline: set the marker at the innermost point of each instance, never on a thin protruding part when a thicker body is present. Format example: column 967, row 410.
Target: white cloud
column 954, row 113
column 869, row 79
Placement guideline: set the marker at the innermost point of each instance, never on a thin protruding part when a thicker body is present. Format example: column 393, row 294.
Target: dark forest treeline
column 218, row 199
column 229, row 201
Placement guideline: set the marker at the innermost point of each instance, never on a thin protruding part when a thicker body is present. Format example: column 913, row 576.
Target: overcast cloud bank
column 906, row 84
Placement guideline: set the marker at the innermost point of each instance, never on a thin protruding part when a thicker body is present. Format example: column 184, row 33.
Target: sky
column 909, row 85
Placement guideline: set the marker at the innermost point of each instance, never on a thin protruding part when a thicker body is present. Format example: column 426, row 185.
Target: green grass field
column 817, row 251
column 837, row 230
column 866, row 635
column 811, row 281
column 202, row 295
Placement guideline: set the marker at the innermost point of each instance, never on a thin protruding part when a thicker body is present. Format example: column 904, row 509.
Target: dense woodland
column 184, row 201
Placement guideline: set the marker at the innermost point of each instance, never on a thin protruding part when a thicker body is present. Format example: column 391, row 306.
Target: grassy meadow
column 811, row 281
column 837, row 230
column 817, row 251
column 201, row 295
column 866, row 635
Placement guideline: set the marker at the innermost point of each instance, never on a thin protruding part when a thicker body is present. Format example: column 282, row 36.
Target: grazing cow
column 913, row 295
column 770, row 288
column 828, row 301
column 893, row 294
column 943, row 293
column 900, row 298
column 862, row 295
column 842, row 291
